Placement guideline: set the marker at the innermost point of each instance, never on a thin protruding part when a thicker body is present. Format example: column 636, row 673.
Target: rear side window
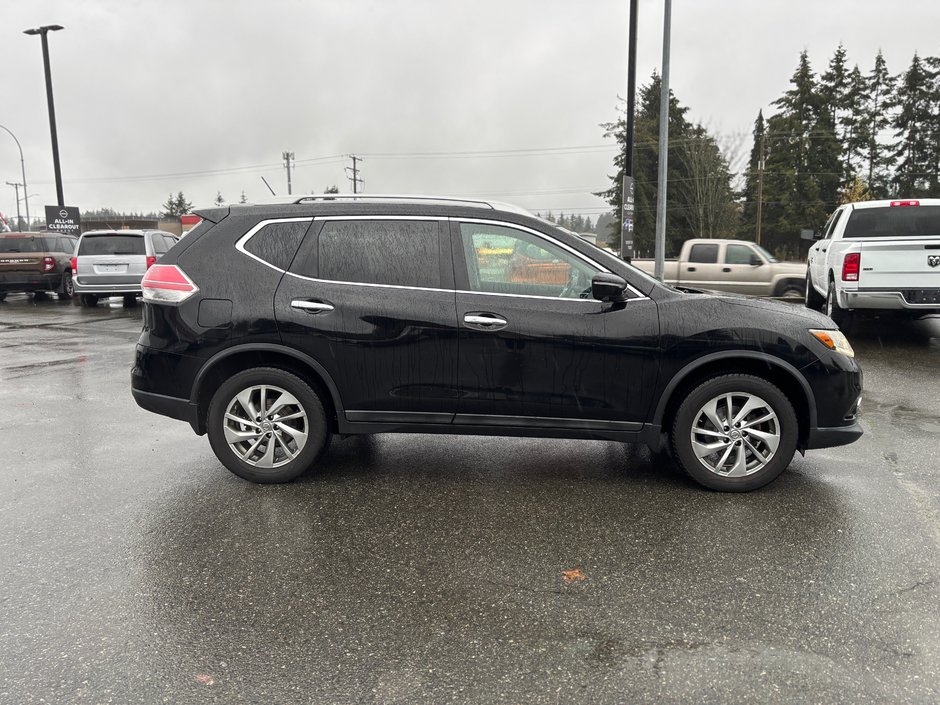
column 894, row 221
column 395, row 252
column 111, row 245
column 704, row 254
column 276, row 243
column 159, row 244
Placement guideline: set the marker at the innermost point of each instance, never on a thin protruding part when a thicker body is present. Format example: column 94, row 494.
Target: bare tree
column 706, row 193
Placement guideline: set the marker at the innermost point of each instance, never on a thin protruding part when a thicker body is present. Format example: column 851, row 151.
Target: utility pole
column 288, row 156
column 663, row 150
column 627, row 195
column 760, row 188
column 23, row 170
column 19, row 220
column 354, row 170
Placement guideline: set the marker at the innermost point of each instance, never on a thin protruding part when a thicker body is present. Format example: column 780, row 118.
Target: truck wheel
column 68, row 287
column 267, row 425
column 833, row 310
column 89, row 300
column 735, row 433
column 812, row 298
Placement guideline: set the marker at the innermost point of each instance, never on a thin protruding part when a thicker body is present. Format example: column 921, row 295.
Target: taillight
column 851, row 266
column 75, row 265
column 48, row 264
column 167, row 283
column 905, row 203
column 151, row 260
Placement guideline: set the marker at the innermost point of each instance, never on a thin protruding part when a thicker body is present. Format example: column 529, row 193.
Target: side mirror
column 608, row 287
column 756, row 261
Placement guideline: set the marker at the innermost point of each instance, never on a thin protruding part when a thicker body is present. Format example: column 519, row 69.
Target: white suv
column 877, row 255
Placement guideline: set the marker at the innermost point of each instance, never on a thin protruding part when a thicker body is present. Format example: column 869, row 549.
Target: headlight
column 834, row 340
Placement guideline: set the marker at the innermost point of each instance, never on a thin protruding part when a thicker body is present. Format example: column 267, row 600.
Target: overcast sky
column 438, row 97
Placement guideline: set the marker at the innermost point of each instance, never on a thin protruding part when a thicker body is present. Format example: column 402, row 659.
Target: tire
column 839, row 315
column 130, row 300
column 811, row 298
column 238, row 397
column 89, row 300
column 68, row 287
column 743, row 461
column 3, row 295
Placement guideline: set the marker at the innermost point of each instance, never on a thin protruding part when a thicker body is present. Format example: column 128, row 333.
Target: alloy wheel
column 735, row 434
column 265, row 426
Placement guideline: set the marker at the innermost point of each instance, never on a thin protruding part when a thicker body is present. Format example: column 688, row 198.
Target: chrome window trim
column 240, row 244
column 427, row 218
column 381, row 286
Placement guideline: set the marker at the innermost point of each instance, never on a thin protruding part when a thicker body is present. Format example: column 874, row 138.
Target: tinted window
column 831, row 225
column 170, row 241
column 894, row 221
column 159, row 244
column 111, row 245
column 22, row 244
column 509, row 261
column 704, row 254
column 276, row 243
column 738, row 254
column 399, row 252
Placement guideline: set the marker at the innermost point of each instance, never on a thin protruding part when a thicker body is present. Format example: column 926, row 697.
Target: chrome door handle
column 487, row 321
column 311, row 306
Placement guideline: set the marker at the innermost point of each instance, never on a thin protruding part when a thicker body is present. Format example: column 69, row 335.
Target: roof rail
column 389, row 197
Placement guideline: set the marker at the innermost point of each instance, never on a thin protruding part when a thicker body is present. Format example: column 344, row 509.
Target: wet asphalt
column 429, row 569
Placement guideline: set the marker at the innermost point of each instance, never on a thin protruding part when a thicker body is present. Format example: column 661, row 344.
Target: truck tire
column 839, row 315
column 812, row 299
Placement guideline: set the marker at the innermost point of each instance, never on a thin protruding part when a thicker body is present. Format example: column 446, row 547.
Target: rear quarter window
column 112, row 245
column 277, row 243
column 894, row 221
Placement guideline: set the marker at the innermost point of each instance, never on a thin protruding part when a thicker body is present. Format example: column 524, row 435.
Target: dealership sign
column 63, row 219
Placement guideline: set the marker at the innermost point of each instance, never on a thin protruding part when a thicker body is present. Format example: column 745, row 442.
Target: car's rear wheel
column 68, row 287
column 89, row 300
column 812, row 298
column 735, row 433
column 267, row 425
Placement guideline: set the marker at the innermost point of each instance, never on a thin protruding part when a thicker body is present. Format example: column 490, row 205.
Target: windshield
column 894, row 221
column 112, row 245
column 770, row 257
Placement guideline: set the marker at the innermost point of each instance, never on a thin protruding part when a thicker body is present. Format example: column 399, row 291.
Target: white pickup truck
column 877, row 255
column 737, row 266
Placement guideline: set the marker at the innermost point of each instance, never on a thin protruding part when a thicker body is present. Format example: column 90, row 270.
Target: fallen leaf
column 205, row 679
column 569, row 576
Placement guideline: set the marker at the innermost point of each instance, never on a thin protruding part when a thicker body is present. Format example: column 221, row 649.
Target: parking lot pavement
column 411, row 569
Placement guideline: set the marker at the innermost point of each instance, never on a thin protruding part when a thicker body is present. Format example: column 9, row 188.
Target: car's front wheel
column 735, row 433
column 267, row 425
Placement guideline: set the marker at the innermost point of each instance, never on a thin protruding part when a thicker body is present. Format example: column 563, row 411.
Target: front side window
column 704, row 254
column 504, row 260
column 389, row 252
column 738, row 254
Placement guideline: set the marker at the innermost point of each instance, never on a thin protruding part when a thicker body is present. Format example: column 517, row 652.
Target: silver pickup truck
column 737, row 266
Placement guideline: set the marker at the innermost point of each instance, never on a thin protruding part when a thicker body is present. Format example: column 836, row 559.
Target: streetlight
column 23, row 169
column 43, row 31
column 19, row 221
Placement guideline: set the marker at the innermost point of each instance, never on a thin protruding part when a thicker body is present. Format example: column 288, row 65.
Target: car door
column 820, row 252
column 534, row 348
column 372, row 300
column 743, row 276
column 702, row 268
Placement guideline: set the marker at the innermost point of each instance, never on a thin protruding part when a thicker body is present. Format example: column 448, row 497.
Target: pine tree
column 879, row 158
column 915, row 149
column 752, row 178
column 182, row 205
column 219, row 200
column 835, row 88
column 243, row 198
column 855, row 127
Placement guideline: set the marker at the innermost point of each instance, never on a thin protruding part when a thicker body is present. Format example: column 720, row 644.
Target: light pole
column 43, row 31
column 19, row 221
column 23, row 169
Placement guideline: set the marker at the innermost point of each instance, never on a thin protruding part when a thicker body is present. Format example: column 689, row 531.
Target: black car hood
column 815, row 318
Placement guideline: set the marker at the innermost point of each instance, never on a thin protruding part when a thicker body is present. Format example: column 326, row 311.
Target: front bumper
column 831, row 437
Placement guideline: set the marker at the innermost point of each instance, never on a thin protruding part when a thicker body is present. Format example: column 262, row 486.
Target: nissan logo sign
column 63, row 213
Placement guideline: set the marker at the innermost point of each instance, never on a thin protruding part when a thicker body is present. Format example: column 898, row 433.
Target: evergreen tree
column 879, row 158
column 182, row 205
column 243, row 198
column 219, row 200
column 834, row 90
column 752, row 178
column 915, row 149
column 855, row 127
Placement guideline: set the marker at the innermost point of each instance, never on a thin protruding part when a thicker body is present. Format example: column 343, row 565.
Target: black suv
column 272, row 327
